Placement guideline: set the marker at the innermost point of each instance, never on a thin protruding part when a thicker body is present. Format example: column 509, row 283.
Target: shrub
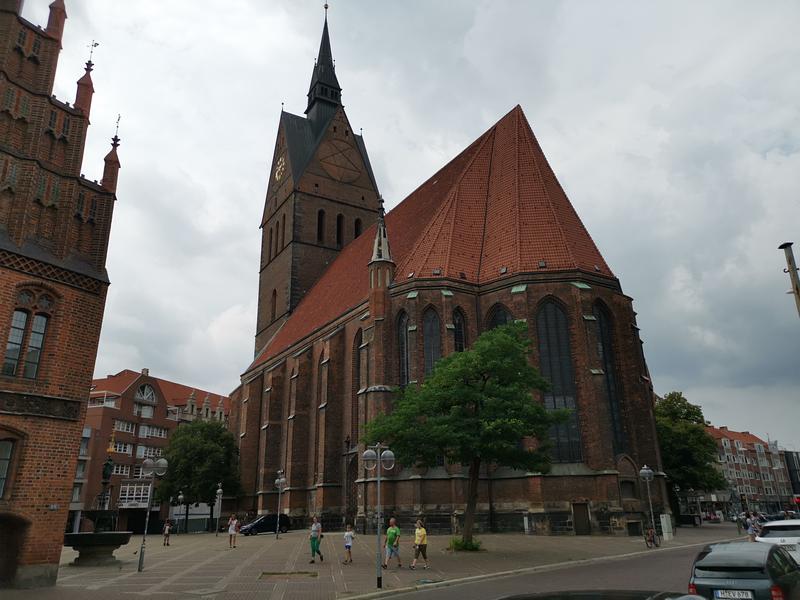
column 458, row 544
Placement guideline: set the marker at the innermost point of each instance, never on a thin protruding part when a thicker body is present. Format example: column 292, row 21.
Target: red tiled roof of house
column 114, row 384
column 743, row 436
column 494, row 211
column 175, row 394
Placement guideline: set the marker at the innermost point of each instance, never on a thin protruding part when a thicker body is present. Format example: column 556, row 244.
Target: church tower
column 321, row 195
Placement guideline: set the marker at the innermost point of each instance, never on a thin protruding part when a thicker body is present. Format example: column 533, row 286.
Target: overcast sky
column 673, row 126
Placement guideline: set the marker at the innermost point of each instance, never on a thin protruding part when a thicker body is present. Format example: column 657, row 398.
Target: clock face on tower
column 280, row 168
column 340, row 160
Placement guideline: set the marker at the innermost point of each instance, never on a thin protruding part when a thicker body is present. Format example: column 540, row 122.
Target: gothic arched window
column 432, row 339
column 321, row 226
column 605, row 348
column 402, row 349
column 499, row 316
column 356, row 386
column 459, row 330
column 270, row 253
column 555, row 358
column 273, row 305
column 283, row 231
column 339, row 230
column 277, row 237
column 26, row 333
column 356, row 228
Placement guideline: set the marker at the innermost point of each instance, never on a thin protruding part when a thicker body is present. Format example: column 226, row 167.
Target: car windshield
column 774, row 531
column 728, row 572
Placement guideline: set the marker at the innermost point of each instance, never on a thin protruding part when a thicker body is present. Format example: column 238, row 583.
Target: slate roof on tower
column 494, row 211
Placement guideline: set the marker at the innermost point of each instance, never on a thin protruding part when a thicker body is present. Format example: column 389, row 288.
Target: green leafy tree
column 475, row 408
column 687, row 450
column 201, row 454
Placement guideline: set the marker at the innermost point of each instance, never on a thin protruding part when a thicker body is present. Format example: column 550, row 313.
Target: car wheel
column 284, row 529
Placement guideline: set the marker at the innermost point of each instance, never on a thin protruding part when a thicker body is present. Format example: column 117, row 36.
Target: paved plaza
column 202, row 565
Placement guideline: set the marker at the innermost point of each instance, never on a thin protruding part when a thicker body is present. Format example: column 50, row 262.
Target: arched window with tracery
column 273, row 305
column 321, row 226
column 499, row 315
column 605, row 349
column 339, row 230
column 555, row 364
column 431, row 338
column 26, row 334
column 402, row 349
column 355, row 433
column 459, row 330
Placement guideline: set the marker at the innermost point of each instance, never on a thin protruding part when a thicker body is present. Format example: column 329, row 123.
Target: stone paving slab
column 201, row 566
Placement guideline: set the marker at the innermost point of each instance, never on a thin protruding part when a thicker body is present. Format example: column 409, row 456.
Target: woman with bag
column 315, row 538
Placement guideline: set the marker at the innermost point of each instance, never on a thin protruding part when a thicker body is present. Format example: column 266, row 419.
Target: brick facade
column 54, row 228
column 491, row 229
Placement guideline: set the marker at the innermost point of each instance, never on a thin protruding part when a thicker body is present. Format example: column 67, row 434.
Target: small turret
column 55, row 22
column 381, row 267
column 83, row 97
column 112, row 165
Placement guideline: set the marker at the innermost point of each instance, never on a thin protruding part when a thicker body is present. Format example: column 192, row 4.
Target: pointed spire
column 112, row 164
column 55, row 22
column 380, row 249
column 83, row 97
column 324, row 88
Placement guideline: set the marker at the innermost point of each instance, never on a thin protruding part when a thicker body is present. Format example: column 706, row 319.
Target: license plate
column 734, row 594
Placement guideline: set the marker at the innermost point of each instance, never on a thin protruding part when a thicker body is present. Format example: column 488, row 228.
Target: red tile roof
column 743, row 436
column 496, row 205
column 175, row 394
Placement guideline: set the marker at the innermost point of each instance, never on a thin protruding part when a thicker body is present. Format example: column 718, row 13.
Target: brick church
column 54, row 230
column 354, row 303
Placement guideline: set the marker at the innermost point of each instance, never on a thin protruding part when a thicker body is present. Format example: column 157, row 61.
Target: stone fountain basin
column 96, row 549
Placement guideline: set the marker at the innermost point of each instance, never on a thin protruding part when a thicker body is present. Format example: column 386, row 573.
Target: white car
column 784, row 533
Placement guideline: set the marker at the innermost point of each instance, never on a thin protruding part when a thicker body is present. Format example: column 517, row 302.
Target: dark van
column 265, row 524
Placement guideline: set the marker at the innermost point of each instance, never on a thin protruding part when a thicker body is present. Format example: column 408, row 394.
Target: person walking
column 167, row 529
column 420, row 544
column 392, row 544
column 233, row 529
column 738, row 520
column 752, row 526
column 349, row 534
column 315, row 538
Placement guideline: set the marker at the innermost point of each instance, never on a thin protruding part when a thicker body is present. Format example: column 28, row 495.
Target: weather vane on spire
column 116, row 131
column 115, row 139
column 91, row 47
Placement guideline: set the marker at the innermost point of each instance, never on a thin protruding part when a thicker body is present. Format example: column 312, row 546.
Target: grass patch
column 458, row 544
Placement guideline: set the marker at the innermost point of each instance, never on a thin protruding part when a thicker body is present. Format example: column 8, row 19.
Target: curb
column 523, row 571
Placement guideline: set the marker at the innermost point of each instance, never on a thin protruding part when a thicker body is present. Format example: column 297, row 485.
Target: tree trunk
column 472, row 499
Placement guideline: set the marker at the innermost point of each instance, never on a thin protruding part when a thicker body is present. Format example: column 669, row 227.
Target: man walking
column 392, row 543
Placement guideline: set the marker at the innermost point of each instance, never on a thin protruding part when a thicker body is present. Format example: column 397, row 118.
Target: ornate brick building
column 489, row 238
column 131, row 416
column 54, row 229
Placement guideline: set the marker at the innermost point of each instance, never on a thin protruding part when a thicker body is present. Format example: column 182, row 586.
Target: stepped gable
column 497, row 204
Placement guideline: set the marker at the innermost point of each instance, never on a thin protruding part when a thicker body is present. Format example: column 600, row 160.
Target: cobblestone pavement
column 202, row 565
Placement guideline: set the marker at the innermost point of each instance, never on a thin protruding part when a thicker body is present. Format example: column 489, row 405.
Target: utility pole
column 791, row 269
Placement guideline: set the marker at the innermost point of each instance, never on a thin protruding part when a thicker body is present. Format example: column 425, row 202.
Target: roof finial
column 91, row 47
column 115, row 139
column 326, row 11
column 281, row 106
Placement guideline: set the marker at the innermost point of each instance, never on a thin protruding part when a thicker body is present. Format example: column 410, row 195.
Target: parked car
column 785, row 533
column 265, row 524
column 745, row 571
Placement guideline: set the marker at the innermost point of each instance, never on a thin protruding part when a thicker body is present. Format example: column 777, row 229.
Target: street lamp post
column 646, row 473
column 181, row 499
column 371, row 462
column 219, row 507
column 280, row 483
column 151, row 469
